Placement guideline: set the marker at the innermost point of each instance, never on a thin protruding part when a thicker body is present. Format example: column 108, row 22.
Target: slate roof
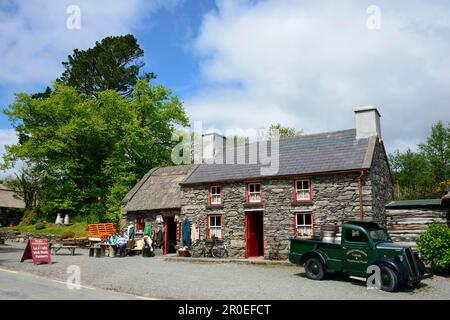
column 8, row 199
column 308, row 154
column 158, row 189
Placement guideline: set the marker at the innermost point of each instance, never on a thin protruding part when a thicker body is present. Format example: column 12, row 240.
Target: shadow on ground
column 345, row 278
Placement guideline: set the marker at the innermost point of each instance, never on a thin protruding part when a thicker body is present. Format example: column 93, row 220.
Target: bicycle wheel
column 197, row 250
column 218, row 252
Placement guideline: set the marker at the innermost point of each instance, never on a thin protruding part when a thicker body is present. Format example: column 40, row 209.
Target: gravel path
column 157, row 278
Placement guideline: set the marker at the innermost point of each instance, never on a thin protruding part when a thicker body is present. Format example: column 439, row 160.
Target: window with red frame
column 304, row 222
column 254, row 192
column 303, row 190
column 214, row 226
column 215, row 195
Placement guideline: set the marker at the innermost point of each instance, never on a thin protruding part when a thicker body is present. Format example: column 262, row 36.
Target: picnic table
column 56, row 247
column 97, row 250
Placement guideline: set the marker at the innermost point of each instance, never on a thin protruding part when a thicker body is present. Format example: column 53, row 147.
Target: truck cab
column 362, row 244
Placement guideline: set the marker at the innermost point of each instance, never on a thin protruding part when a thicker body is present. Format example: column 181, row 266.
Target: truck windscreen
column 379, row 235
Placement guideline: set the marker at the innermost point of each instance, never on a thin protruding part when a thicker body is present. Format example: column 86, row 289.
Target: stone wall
column 382, row 187
column 334, row 197
column 15, row 236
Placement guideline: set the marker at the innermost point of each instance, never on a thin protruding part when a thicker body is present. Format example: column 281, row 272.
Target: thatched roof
column 158, row 189
column 8, row 199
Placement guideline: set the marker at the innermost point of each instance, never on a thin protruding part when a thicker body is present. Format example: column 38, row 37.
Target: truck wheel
column 314, row 269
column 389, row 279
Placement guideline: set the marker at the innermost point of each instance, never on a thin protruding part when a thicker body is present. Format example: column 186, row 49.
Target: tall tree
column 437, row 151
column 284, row 132
column 425, row 173
column 92, row 150
column 113, row 63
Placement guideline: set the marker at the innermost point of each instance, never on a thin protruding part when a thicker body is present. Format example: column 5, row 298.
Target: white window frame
column 302, row 190
column 214, row 229
column 215, row 195
column 300, row 225
column 258, row 194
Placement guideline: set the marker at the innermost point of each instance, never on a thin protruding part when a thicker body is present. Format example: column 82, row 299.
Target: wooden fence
column 405, row 224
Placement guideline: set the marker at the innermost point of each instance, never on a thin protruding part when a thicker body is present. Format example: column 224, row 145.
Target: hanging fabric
column 186, row 232
column 148, row 229
column 195, row 233
column 130, row 232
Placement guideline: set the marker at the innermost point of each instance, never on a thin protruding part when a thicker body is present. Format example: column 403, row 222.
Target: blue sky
column 248, row 64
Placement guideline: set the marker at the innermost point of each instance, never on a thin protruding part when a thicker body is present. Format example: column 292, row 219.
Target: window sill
column 214, row 207
column 302, row 203
column 253, row 205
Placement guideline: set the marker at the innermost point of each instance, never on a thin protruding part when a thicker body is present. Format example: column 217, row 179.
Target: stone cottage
column 321, row 178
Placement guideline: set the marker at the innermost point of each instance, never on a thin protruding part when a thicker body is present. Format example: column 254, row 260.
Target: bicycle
column 217, row 249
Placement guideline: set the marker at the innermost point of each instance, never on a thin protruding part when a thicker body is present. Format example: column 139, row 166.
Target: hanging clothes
column 130, row 232
column 195, row 233
column 158, row 237
column 148, row 229
column 186, row 232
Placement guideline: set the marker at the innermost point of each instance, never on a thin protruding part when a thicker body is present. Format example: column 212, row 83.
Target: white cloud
column 309, row 64
column 34, row 39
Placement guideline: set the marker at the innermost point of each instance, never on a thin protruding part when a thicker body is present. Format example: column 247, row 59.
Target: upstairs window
column 215, row 226
column 215, row 195
column 304, row 222
column 254, row 193
column 303, row 190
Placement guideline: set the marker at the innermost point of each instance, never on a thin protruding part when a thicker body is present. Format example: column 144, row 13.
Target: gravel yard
column 157, row 278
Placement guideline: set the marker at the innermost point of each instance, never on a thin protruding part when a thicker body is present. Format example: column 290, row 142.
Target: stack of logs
column 405, row 225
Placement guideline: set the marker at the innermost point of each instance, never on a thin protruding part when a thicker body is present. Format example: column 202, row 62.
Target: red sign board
column 38, row 251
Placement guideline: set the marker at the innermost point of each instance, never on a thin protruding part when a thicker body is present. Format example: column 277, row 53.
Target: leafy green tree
column 410, row 172
column 284, row 132
column 437, row 151
column 92, row 150
column 27, row 185
column 114, row 63
column 426, row 173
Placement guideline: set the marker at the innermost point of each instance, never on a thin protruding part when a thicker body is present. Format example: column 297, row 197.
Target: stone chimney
column 367, row 122
column 213, row 147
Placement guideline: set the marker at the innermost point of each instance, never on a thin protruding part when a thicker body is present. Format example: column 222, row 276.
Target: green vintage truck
column 362, row 244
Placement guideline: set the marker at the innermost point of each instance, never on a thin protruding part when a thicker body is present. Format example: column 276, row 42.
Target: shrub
column 39, row 226
column 93, row 218
column 434, row 247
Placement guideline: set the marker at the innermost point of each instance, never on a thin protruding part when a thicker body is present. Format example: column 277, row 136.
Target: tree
column 92, row 150
column 410, row 172
column 114, row 63
column 27, row 186
column 423, row 174
column 284, row 132
column 437, row 151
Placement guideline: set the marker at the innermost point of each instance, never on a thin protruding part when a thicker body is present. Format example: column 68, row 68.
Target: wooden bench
column 56, row 247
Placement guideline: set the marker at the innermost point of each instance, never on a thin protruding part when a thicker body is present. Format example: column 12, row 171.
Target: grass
column 79, row 229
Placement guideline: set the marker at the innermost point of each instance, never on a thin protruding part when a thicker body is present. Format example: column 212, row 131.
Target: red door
column 254, row 234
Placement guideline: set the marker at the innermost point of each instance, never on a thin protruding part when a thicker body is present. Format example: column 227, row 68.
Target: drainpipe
column 361, row 210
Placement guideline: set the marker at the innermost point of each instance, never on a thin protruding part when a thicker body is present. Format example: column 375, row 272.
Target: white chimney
column 213, row 147
column 367, row 122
